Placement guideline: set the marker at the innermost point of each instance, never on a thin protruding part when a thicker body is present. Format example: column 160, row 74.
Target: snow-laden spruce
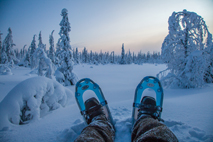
column 84, row 55
column 209, row 51
column 57, row 54
column 8, row 55
column 65, row 53
column 123, row 59
column 40, row 43
column 129, row 59
column 76, row 57
column 32, row 50
column 32, row 99
column 27, row 58
column 185, row 51
column 22, row 56
column 23, row 51
column 40, row 59
column 44, row 63
column 51, row 54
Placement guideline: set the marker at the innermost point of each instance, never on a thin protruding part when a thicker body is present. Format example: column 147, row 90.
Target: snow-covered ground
column 187, row 112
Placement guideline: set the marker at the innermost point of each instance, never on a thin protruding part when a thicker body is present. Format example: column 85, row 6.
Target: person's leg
column 148, row 128
column 99, row 128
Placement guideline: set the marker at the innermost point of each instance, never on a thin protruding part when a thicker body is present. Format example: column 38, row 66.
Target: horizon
column 98, row 25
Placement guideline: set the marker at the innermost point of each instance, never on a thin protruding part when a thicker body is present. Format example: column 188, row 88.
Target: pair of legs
column 147, row 128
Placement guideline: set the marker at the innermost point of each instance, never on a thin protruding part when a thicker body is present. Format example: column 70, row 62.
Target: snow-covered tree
column 129, row 58
column 58, row 54
column 24, row 51
column 40, row 43
column 45, row 48
column 32, row 50
column 73, row 51
column 91, row 57
column 4, row 58
column 209, row 71
column 187, row 35
column 112, row 57
column 106, row 59
column 41, row 56
column 51, row 54
column 100, row 57
column 84, row 56
column 66, row 61
column 140, row 59
column 148, row 57
column 27, row 58
column 167, row 49
column 133, row 58
column 123, row 60
column 8, row 49
column 35, row 62
column 17, row 53
column 96, row 58
column 77, row 57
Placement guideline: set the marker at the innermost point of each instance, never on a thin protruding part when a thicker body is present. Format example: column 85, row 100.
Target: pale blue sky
column 98, row 24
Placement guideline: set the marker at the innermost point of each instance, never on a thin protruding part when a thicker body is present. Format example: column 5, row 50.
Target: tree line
column 23, row 56
column 187, row 50
column 59, row 61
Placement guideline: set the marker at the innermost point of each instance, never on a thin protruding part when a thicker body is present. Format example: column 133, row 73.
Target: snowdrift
column 32, row 99
column 123, row 127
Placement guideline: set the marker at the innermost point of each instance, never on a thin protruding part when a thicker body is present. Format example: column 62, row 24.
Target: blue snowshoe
column 91, row 107
column 148, row 105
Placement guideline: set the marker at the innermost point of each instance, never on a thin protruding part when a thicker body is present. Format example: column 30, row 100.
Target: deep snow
column 31, row 99
column 187, row 112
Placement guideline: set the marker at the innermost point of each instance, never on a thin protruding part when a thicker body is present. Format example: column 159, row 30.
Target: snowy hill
column 187, row 112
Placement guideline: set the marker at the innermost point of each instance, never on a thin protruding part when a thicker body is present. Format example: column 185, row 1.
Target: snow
column 5, row 69
column 32, row 99
column 187, row 112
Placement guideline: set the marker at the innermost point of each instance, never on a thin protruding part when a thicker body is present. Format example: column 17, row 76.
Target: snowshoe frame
column 152, row 83
column 87, row 84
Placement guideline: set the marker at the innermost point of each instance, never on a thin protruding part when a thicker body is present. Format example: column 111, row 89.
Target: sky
column 98, row 25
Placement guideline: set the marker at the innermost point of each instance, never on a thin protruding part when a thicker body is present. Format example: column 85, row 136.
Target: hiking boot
column 93, row 109
column 148, row 107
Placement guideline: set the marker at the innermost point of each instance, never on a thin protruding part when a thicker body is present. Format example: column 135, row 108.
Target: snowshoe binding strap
column 150, row 110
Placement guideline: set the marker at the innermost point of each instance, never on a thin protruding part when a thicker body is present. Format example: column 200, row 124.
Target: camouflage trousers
column 146, row 129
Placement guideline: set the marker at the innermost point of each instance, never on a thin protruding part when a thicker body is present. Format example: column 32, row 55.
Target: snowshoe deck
column 152, row 83
column 87, row 84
